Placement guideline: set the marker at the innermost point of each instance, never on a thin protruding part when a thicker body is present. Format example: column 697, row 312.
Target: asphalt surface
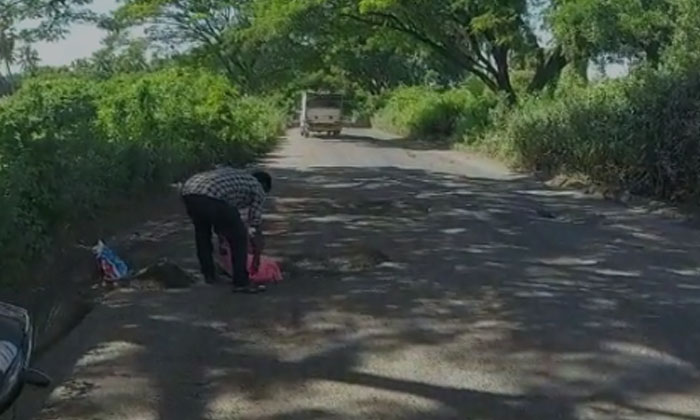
column 421, row 284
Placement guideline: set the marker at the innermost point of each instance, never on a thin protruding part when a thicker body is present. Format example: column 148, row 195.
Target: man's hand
column 257, row 242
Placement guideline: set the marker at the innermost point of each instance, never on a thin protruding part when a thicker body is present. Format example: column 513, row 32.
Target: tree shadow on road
column 407, row 285
column 391, row 141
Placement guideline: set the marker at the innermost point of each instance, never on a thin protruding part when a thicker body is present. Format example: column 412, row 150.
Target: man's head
column 264, row 179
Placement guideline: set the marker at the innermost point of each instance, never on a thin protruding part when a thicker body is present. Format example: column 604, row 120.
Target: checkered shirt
column 235, row 187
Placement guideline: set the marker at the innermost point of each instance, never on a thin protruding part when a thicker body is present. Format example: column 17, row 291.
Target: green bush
column 401, row 108
column 68, row 144
column 422, row 112
column 641, row 133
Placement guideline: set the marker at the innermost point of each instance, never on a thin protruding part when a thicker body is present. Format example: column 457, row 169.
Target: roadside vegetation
column 215, row 80
column 428, row 113
column 69, row 144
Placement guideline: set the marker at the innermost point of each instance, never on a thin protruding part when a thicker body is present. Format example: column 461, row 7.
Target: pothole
column 162, row 275
column 386, row 207
column 357, row 259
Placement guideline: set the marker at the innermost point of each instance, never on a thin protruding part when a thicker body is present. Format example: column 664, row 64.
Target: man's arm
column 255, row 212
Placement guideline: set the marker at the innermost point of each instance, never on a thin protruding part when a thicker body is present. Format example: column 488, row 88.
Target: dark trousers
column 209, row 214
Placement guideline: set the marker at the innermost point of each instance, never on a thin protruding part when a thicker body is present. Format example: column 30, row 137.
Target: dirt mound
column 163, row 274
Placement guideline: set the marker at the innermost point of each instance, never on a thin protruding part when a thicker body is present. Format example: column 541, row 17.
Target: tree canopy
column 511, row 46
column 23, row 22
column 477, row 37
column 636, row 29
column 49, row 18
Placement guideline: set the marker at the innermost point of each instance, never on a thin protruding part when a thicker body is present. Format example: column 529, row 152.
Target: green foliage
column 570, row 80
column 640, row 133
column 217, row 33
column 422, row 112
column 41, row 19
column 405, row 108
column 120, row 55
column 478, row 37
column 68, row 144
column 27, row 21
column 684, row 50
column 623, row 28
column 264, row 46
column 28, row 59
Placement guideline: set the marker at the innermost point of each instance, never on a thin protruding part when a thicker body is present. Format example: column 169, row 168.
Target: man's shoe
column 250, row 289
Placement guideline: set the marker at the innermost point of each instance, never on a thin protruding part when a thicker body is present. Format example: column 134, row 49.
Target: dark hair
column 264, row 179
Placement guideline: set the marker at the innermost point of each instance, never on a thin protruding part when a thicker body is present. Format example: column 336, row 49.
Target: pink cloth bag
column 269, row 271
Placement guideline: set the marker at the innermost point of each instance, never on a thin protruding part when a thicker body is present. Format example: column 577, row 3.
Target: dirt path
column 421, row 284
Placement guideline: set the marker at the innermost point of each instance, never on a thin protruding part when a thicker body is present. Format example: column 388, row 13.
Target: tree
column 119, row 54
column 51, row 17
column 317, row 43
column 684, row 50
column 204, row 25
column 480, row 37
column 28, row 59
column 7, row 50
column 620, row 29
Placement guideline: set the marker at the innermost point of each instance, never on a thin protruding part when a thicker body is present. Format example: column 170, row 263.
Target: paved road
column 421, row 284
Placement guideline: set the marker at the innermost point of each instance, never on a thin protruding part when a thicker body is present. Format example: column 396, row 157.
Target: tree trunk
column 5, row 87
column 548, row 70
column 653, row 55
column 581, row 69
column 9, row 78
column 503, row 83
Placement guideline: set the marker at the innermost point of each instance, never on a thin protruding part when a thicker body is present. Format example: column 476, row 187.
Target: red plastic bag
column 269, row 271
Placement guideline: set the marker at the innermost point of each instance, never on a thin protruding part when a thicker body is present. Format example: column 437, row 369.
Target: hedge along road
column 420, row 284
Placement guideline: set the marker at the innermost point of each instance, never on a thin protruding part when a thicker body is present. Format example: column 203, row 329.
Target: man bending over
column 214, row 200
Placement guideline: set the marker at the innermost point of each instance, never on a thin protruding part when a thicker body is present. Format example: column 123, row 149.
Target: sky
column 82, row 41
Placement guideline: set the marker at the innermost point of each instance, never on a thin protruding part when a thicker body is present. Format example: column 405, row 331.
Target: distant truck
column 321, row 113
